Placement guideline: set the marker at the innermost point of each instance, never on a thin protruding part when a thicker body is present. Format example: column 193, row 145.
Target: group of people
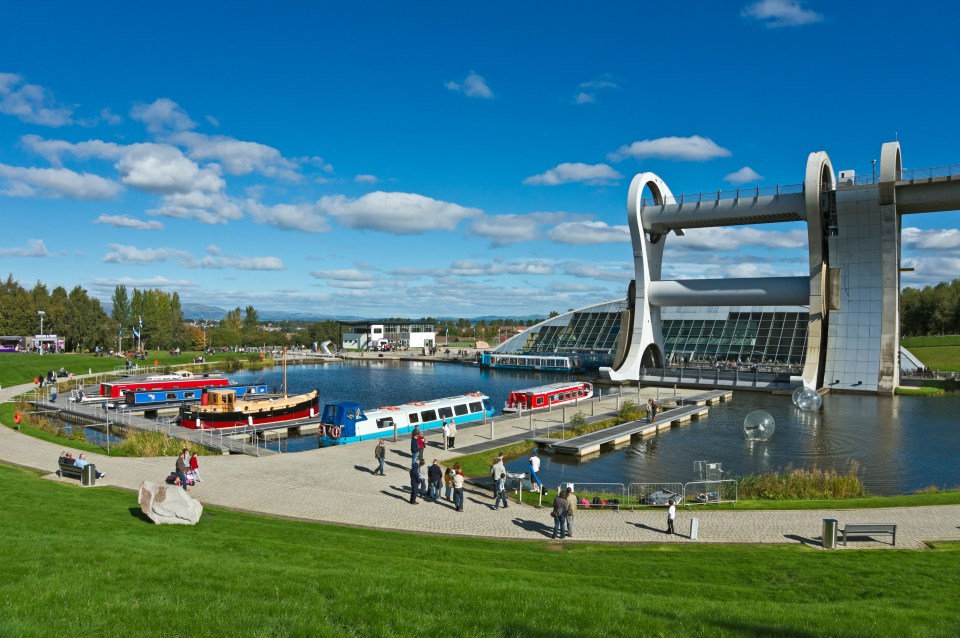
column 66, row 458
column 564, row 507
column 187, row 469
column 652, row 408
column 425, row 483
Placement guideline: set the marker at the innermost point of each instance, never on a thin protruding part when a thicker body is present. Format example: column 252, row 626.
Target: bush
column 802, row 484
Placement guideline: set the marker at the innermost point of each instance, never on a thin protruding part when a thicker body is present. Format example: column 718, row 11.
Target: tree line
column 934, row 310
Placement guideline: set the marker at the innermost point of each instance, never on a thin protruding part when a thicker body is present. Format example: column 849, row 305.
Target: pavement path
column 336, row 485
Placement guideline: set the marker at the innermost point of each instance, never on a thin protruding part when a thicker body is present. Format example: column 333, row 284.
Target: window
column 171, row 396
column 460, row 409
column 539, row 401
column 189, row 395
column 446, row 413
column 385, row 423
column 476, row 407
column 414, row 417
column 428, row 415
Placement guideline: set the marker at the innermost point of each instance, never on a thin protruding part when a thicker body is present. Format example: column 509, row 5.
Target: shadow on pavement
column 812, row 542
column 652, row 529
column 533, row 526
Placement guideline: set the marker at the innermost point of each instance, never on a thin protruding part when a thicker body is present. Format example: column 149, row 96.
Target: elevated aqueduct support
column 853, row 286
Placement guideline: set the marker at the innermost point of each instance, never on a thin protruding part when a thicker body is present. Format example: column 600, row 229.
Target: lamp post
column 42, row 315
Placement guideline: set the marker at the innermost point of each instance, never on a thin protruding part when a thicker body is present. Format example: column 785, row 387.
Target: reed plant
column 801, row 484
column 144, row 443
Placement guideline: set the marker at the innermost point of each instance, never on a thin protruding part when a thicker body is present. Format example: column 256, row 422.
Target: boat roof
column 550, row 387
column 417, row 406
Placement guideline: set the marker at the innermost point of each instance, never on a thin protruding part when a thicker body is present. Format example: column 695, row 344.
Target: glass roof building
column 748, row 334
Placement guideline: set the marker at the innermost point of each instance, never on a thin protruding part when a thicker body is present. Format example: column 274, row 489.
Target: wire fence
column 653, row 494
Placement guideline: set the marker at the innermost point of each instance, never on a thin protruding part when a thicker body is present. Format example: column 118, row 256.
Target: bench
column 69, row 469
column 873, row 529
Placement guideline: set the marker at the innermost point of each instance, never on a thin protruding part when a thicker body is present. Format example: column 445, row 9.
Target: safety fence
column 653, row 494
column 719, row 194
column 638, row 495
column 709, row 492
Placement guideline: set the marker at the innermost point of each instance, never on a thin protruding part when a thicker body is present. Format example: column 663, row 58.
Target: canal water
column 897, row 444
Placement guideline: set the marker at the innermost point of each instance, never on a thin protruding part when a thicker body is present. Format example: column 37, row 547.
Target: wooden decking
column 704, row 398
column 623, row 433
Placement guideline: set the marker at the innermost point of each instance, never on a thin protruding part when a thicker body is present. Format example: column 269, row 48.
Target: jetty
column 703, row 398
column 586, row 444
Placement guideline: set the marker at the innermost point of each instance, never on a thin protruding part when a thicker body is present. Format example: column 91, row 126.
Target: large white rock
column 164, row 503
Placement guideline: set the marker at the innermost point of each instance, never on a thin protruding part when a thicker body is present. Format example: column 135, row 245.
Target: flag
column 121, row 332
column 136, row 333
column 140, row 320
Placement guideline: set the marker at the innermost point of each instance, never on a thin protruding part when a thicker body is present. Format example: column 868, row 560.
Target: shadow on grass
column 535, row 527
column 136, row 512
column 812, row 542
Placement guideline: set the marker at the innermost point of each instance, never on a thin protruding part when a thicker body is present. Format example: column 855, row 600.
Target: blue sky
column 411, row 159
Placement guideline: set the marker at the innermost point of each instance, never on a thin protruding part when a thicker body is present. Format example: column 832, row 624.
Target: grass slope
column 942, row 358
column 83, row 562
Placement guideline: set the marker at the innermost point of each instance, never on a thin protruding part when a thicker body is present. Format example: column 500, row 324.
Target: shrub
column 803, row 484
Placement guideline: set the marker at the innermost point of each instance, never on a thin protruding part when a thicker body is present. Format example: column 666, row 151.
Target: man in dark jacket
column 414, row 483
column 182, row 470
column 434, row 477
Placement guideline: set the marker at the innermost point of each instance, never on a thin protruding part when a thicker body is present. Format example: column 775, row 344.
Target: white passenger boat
column 348, row 422
column 544, row 397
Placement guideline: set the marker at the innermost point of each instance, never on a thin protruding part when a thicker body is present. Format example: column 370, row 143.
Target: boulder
column 168, row 504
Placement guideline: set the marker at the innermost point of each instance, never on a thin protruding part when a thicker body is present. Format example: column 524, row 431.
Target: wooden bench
column 69, row 469
column 872, row 529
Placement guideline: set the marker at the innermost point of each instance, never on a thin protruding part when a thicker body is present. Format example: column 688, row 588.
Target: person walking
column 457, row 480
column 434, row 477
column 501, row 488
column 452, row 435
column 496, row 469
column 414, row 484
column 446, row 434
column 380, row 453
column 534, row 463
column 448, row 483
column 571, row 509
column 649, row 410
column 181, row 470
column 671, row 515
column 559, row 515
column 195, row 467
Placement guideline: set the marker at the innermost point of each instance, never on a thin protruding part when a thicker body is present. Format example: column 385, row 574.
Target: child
column 671, row 514
column 448, row 483
column 501, row 492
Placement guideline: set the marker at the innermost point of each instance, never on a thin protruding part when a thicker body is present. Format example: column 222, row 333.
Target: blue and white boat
column 538, row 362
column 159, row 397
column 348, row 422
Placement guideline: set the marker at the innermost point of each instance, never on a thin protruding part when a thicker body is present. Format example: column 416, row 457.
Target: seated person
column 67, row 459
column 82, row 462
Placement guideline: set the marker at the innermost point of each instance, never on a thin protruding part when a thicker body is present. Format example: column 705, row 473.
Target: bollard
column 694, row 528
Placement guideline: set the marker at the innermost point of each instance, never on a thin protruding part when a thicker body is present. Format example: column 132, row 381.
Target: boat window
column 171, row 396
column 476, row 407
column 428, row 415
column 414, row 417
column 460, row 409
column 352, row 414
column 446, row 412
column 385, row 423
column 539, row 400
column 189, row 395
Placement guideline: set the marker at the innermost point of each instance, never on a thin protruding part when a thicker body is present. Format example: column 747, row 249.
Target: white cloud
column 347, row 274
column 714, row 239
column 604, row 272
column 585, row 232
column 111, row 118
column 162, row 115
column 694, row 149
column 305, row 217
column 584, row 98
column 575, row 172
column 163, row 169
column 236, row 156
column 781, row 13
column 602, row 83
column 132, row 255
column 209, row 208
column 399, row 213
column 473, row 86
column 366, row 179
column 932, row 239
column 105, row 287
column 928, row 270
column 743, row 176
column 589, row 96
column 122, row 221
column 474, row 268
column 34, row 248
column 31, row 102
column 502, row 230
column 55, row 182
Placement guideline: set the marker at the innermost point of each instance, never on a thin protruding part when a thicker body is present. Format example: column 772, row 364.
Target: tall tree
column 121, row 306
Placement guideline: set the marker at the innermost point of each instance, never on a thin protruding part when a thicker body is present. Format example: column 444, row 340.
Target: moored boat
column 544, row 397
column 538, row 362
column 183, row 380
column 225, row 410
column 348, row 422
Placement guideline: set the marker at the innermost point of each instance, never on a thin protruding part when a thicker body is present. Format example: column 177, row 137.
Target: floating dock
column 703, row 398
column 623, row 433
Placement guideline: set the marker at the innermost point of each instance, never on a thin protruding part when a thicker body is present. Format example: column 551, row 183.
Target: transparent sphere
column 758, row 426
column 809, row 400
column 796, row 394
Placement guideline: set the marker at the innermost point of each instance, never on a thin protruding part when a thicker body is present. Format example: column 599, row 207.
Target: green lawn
column 942, row 358
column 83, row 562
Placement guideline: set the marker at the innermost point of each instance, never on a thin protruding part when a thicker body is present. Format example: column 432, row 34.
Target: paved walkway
column 336, row 485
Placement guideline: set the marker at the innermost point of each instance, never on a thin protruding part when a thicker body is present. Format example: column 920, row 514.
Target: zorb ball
column 796, row 394
column 758, row 426
column 809, row 400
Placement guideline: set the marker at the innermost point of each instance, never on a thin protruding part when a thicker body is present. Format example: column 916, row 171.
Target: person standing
column 671, row 515
column 195, row 467
column 501, row 487
column 535, row 470
column 414, row 484
column 422, row 471
column 434, row 477
column 380, row 453
column 414, row 448
column 448, row 483
column 496, row 469
column 649, row 410
column 571, row 509
column 452, row 435
column 559, row 515
column 181, row 470
column 422, row 447
column 457, row 480
column 446, row 434
column 655, row 408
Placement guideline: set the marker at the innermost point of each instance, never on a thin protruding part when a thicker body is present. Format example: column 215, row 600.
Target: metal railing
column 710, row 492
column 604, row 491
column 653, row 494
column 719, row 194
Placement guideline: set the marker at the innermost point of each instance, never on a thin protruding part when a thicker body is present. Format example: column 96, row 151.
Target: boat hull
column 194, row 419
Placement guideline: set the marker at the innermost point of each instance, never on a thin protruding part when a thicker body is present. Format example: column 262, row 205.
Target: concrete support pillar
column 890, row 167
